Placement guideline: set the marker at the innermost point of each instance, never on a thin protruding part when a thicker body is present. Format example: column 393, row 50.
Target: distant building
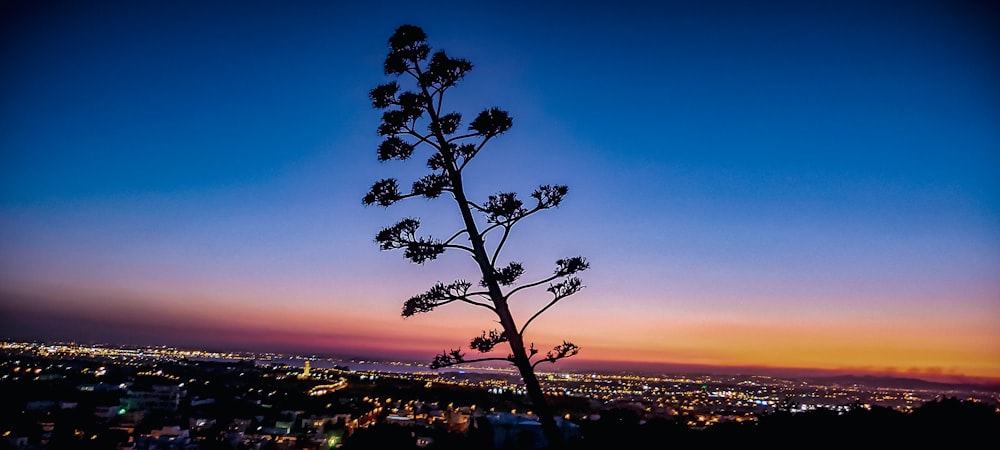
column 314, row 422
column 40, row 405
column 524, row 431
column 158, row 397
column 458, row 419
column 399, row 420
column 168, row 437
column 424, row 441
column 199, row 423
column 99, row 387
column 106, row 412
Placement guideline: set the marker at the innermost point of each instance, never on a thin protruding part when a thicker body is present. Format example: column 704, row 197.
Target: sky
column 774, row 184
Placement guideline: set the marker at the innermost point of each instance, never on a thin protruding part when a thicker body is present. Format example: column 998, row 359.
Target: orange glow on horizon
column 917, row 347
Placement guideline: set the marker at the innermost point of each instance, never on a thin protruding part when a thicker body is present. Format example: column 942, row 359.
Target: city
column 66, row 395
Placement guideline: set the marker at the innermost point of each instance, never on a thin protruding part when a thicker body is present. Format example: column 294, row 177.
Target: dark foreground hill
column 946, row 423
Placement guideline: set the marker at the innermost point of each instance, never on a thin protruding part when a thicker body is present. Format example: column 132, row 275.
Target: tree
column 415, row 119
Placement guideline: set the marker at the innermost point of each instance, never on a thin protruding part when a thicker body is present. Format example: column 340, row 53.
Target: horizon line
column 584, row 365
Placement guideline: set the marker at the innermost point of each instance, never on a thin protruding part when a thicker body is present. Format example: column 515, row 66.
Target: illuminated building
column 158, row 397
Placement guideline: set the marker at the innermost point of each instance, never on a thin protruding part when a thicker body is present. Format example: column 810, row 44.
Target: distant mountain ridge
column 826, row 376
column 874, row 381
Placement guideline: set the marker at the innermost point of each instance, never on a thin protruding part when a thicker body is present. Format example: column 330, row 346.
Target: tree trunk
column 535, row 394
column 539, row 403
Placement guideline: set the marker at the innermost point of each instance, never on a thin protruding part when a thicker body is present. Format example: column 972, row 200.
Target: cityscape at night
column 66, row 395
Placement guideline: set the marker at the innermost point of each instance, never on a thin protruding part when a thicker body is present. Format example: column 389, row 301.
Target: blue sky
column 734, row 167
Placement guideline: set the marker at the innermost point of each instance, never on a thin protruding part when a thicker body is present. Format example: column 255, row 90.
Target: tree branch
column 566, row 350
column 475, row 303
column 496, row 251
column 538, row 313
column 421, row 139
column 455, row 236
column 476, row 207
column 479, row 147
column 485, row 342
column 460, row 247
column 456, row 357
column 530, row 285
column 441, row 294
column 462, row 136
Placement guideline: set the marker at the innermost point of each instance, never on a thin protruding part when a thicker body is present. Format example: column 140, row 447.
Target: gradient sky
column 778, row 183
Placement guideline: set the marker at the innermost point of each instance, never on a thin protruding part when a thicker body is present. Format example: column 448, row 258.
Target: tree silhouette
column 415, row 119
